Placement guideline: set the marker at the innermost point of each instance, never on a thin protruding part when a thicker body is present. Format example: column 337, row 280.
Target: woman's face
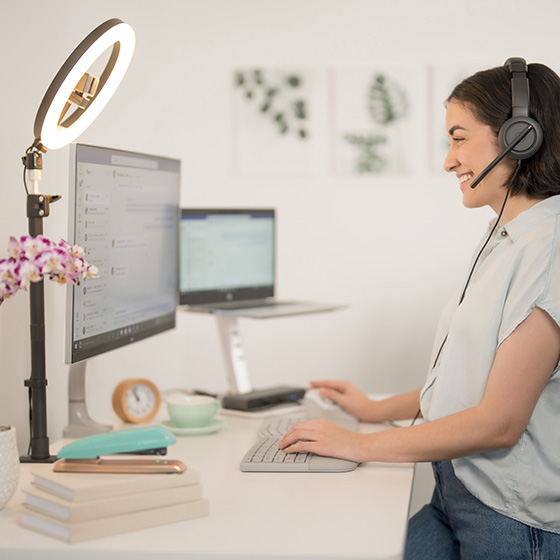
column 473, row 146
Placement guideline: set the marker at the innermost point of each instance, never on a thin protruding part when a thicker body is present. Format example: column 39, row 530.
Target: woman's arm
column 521, row 369
column 351, row 399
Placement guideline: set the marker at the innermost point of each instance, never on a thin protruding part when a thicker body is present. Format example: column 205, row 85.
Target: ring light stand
column 55, row 127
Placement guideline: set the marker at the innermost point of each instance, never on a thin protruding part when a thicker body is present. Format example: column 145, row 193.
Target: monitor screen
column 226, row 255
column 124, row 212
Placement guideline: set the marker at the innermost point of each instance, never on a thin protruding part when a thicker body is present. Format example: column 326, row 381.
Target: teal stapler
column 84, row 455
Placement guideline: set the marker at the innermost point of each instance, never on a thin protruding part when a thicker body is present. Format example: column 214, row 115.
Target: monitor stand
column 79, row 422
column 234, row 355
column 241, row 394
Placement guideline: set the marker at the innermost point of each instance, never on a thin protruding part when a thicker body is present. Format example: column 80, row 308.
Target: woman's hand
column 323, row 438
column 351, row 399
column 346, row 395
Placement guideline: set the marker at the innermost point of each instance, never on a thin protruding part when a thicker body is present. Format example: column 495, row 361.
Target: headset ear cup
column 529, row 145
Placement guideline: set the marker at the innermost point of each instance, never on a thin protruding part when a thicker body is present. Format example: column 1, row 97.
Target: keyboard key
column 280, row 457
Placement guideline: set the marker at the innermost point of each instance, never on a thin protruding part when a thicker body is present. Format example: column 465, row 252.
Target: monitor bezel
column 217, row 296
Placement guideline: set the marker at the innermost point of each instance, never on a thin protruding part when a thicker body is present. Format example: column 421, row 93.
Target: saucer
column 214, row 426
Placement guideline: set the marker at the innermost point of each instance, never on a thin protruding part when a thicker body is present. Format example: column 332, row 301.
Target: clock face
column 136, row 400
column 140, row 400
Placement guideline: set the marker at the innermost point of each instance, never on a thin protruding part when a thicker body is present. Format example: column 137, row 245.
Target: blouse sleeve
column 535, row 282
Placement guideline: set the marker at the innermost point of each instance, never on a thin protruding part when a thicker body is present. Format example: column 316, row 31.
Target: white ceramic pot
column 9, row 464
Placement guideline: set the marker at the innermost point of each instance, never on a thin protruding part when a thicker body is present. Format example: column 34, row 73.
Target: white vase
column 9, row 464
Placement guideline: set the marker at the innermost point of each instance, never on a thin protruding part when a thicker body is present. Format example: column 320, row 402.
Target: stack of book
column 81, row 506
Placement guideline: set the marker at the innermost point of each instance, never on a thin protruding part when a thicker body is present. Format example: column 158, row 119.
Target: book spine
column 104, row 485
column 75, row 512
column 78, row 532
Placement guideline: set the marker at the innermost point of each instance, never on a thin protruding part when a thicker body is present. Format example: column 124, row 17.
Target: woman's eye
column 457, row 139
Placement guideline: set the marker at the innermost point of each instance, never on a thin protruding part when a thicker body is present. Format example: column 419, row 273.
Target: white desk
column 259, row 516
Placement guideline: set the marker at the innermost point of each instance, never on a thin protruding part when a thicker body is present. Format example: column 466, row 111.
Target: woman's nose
column 450, row 163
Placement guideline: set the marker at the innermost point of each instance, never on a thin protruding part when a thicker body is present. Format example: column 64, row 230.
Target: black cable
column 30, row 422
column 491, row 232
column 24, row 161
column 416, row 417
column 24, row 180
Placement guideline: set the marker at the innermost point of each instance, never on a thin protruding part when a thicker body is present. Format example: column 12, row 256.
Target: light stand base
column 29, row 459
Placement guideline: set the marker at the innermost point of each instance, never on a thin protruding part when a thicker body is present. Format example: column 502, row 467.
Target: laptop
column 228, row 264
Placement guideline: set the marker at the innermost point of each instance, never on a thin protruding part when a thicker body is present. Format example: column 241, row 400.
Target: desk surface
column 350, row 516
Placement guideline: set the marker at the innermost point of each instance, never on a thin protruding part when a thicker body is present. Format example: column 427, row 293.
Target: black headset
column 520, row 119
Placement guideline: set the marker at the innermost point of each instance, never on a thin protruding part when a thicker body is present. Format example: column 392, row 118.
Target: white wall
column 392, row 248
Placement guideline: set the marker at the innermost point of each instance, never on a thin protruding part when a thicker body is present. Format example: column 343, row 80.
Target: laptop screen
column 226, row 255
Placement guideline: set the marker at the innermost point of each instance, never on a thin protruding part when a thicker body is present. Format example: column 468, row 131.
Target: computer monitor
column 124, row 211
column 226, row 254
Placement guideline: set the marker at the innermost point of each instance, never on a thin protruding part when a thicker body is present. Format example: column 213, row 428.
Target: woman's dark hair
column 488, row 95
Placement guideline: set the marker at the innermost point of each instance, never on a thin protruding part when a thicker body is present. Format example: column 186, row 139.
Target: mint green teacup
column 192, row 411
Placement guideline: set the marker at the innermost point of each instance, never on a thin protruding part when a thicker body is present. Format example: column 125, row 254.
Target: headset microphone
column 494, row 162
column 517, row 128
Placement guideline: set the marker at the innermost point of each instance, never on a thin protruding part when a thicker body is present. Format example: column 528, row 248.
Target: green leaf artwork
column 387, row 100
column 278, row 101
column 387, row 103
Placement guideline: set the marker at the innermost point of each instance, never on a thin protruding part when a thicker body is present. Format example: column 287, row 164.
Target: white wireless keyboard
column 264, row 455
column 279, row 425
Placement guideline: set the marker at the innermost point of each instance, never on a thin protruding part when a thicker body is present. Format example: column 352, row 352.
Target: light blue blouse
column 519, row 270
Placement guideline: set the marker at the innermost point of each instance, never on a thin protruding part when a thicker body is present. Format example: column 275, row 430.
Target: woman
column 492, row 397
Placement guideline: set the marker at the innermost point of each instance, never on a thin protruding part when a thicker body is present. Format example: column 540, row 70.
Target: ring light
column 73, row 85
